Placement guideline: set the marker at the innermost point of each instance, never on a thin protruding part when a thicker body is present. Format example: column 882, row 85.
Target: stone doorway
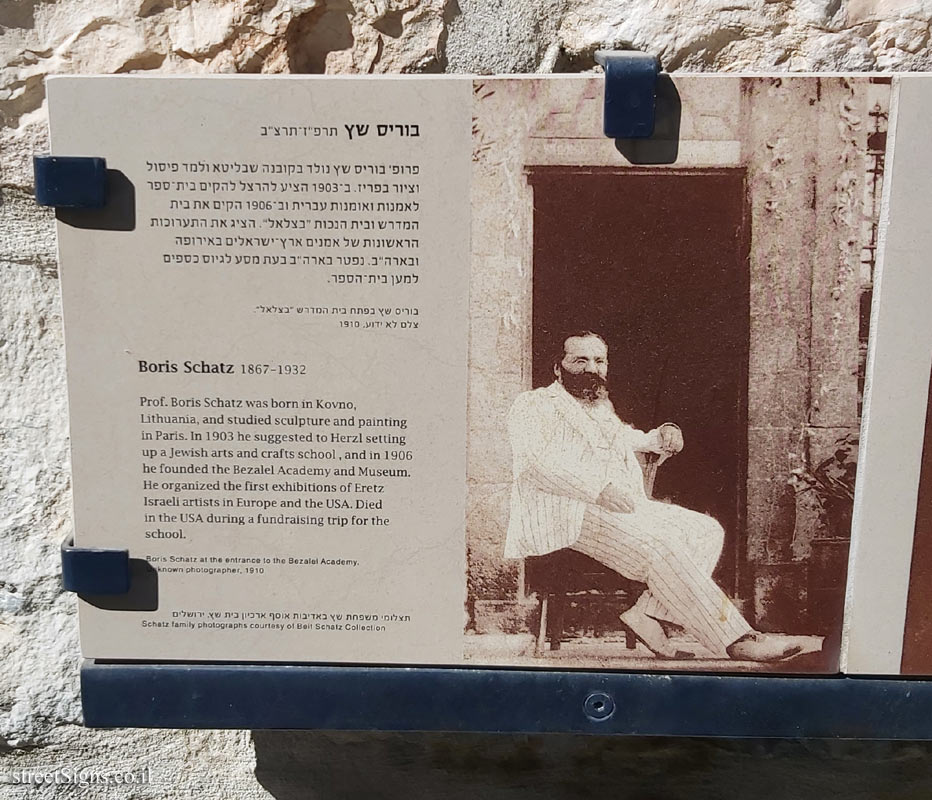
column 657, row 262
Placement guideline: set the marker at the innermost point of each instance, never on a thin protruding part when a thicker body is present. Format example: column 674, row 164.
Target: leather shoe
column 762, row 647
column 650, row 633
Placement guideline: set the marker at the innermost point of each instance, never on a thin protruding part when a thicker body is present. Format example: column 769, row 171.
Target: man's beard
column 587, row 386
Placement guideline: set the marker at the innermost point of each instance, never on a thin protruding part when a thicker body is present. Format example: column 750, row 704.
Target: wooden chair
column 556, row 578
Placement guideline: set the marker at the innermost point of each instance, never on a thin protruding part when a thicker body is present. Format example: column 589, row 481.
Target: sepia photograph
column 666, row 373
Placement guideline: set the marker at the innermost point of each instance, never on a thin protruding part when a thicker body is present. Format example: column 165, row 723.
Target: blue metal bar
column 70, row 181
column 94, row 570
column 630, row 93
column 257, row 696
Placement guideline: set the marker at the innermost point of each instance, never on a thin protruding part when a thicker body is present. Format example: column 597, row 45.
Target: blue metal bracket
column 94, row 570
column 630, row 93
column 70, row 181
column 321, row 697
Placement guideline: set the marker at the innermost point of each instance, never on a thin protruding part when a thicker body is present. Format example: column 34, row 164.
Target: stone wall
column 39, row 708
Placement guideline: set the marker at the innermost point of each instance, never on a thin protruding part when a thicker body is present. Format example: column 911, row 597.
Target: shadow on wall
column 318, row 33
column 295, row 765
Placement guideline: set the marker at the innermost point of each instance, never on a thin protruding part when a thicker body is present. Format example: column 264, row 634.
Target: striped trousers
column 674, row 551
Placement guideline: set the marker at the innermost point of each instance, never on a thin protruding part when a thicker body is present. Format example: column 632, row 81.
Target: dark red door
column 657, row 263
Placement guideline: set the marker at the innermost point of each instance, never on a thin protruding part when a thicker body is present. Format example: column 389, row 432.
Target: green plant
column 832, row 483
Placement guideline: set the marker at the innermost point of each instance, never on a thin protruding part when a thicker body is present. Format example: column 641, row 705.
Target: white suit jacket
column 563, row 458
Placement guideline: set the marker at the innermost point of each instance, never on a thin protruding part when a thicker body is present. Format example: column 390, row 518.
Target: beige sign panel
column 888, row 627
column 430, row 371
column 267, row 373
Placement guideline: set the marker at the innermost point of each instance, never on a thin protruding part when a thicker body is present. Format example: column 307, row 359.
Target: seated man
column 578, row 484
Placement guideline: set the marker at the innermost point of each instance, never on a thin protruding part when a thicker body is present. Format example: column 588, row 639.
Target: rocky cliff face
column 314, row 36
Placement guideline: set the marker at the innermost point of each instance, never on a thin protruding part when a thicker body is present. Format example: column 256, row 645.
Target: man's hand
column 613, row 499
column 671, row 438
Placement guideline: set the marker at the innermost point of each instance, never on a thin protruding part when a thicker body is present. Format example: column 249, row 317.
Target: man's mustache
column 586, row 385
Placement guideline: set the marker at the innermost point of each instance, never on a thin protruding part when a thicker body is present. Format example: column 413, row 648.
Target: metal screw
column 599, row 706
